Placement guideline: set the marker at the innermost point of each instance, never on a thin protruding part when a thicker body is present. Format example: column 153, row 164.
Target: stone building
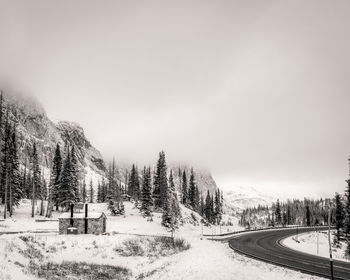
column 96, row 223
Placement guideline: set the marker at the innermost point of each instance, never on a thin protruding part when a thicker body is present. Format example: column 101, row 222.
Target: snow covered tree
column 66, row 192
column 91, row 192
column 308, row 215
column 75, row 174
column 160, row 183
column 218, row 207
column 171, row 212
column 347, row 216
column 84, row 192
column 339, row 218
column 114, row 200
column 16, row 192
column 192, row 191
column 36, row 192
column 184, row 188
column 134, row 183
column 55, row 180
column 208, row 208
column 278, row 215
column 146, row 193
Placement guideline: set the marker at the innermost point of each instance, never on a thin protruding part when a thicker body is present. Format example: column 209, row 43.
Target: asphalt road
column 266, row 246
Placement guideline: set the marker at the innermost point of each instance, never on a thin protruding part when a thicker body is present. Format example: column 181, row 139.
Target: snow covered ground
column 307, row 243
column 205, row 259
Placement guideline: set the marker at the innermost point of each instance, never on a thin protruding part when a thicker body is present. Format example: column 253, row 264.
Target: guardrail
column 260, row 229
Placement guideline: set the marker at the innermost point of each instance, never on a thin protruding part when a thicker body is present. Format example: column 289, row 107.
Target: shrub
column 78, row 270
column 152, row 246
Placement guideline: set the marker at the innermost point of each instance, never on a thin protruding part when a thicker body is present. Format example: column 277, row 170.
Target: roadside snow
column 307, row 243
column 205, row 259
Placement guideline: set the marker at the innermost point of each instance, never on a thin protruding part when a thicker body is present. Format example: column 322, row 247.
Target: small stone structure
column 96, row 223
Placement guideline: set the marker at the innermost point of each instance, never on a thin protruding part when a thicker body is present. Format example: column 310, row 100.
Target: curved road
column 266, row 246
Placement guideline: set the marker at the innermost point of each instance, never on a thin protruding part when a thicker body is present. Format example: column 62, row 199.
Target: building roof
column 91, row 215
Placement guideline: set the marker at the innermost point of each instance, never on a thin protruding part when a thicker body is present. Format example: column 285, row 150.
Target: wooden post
column 329, row 242
column 86, row 218
column 71, row 214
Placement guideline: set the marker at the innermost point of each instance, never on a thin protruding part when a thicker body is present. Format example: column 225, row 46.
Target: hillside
column 240, row 198
column 33, row 125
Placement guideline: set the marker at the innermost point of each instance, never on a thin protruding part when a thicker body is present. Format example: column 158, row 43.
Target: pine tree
column 278, row 213
column 218, row 208
column 91, row 192
column 171, row 212
column 339, row 217
column 99, row 192
column 192, row 191
column 202, row 206
column 55, row 180
column 16, row 190
column 75, row 174
column 114, row 199
column 160, row 183
column 308, row 215
column 66, row 192
column 184, row 188
column 84, row 193
column 347, row 216
column 208, row 208
column 146, row 198
column 134, row 183
column 36, row 192
column 5, row 165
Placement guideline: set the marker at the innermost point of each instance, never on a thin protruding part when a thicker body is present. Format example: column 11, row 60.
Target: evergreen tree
column 218, row 207
column 278, row 213
column 339, row 217
column 134, row 183
column 84, row 193
column 16, row 191
column 171, row 212
column 146, row 198
column 75, row 174
column 91, row 192
column 5, row 165
column 347, row 216
column 66, row 192
column 208, row 208
column 202, row 207
column 160, row 183
column 55, row 180
column 308, row 216
column 114, row 198
column 99, row 192
column 288, row 215
column 184, row 188
column 192, row 191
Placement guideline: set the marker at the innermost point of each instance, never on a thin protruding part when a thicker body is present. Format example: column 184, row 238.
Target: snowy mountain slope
column 203, row 177
column 239, row 198
column 34, row 126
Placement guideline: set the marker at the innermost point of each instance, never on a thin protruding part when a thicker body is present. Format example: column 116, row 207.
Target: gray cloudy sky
column 257, row 91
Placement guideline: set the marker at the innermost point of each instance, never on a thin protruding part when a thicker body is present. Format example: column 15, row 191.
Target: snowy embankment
column 315, row 243
column 136, row 257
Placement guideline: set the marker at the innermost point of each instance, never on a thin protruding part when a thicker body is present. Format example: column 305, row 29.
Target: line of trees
column 307, row 212
column 157, row 193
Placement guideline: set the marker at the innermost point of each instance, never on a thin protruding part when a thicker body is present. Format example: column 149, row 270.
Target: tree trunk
column 33, row 199
column 11, row 201
column 5, row 205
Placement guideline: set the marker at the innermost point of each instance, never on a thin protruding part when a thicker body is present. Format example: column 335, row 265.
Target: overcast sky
column 257, row 91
